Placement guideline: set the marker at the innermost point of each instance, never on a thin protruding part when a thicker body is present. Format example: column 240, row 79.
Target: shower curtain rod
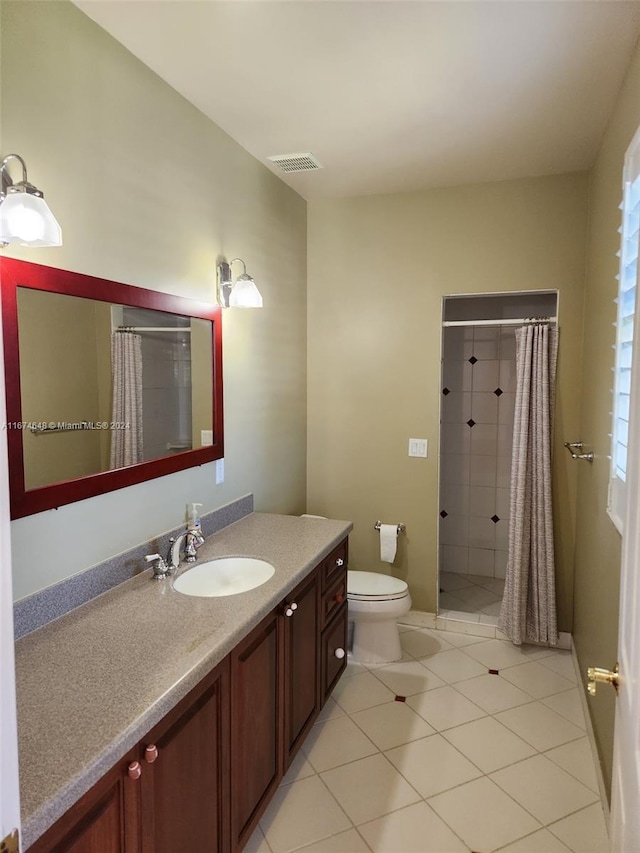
column 514, row 322
column 153, row 329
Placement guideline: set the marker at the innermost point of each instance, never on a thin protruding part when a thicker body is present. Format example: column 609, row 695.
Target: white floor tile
column 416, row 829
column 392, row 724
column 493, row 693
column 476, row 597
column 539, row 842
column 419, row 644
column 562, row 663
column 445, row 707
column 498, row 654
column 537, row 680
column 257, row 843
column 335, row 742
column 583, row 832
column 432, row 765
column 454, row 665
column 576, row 758
column 369, row 788
column 405, row 679
column 539, row 725
column 299, row 769
column 345, row 842
column 331, row 709
column 543, row 789
column 450, row 581
column 361, row 691
column 460, row 641
column 488, row 744
column 569, row 705
column 354, row 667
column 483, row 816
column 300, row 814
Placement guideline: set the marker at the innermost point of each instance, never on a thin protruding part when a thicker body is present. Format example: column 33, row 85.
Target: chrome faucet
column 188, row 542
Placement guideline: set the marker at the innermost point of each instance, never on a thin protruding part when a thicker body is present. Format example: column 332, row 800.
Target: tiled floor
column 436, row 755
column 470, row 594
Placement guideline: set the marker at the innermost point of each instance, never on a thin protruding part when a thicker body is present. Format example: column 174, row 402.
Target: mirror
column 107, row 384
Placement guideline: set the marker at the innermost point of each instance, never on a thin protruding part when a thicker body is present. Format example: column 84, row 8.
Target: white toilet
column 376, row 601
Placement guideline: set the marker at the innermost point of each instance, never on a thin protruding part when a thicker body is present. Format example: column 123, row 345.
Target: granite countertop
column 91, row 684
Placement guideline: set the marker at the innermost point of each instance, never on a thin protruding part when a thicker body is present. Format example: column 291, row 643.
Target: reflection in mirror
column 107, row 384
column 75, row 351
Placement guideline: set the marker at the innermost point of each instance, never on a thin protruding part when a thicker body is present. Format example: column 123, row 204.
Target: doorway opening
column 477, row 404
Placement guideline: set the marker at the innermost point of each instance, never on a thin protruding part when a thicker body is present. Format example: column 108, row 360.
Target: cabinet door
column 334, row 651
column 184, row 782
column 104, row 820
column 301, row 664
column 255, row 726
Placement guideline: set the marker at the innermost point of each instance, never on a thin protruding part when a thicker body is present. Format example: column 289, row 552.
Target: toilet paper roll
column 388, row 542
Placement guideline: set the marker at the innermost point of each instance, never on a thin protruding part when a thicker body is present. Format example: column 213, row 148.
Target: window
column 627, row 289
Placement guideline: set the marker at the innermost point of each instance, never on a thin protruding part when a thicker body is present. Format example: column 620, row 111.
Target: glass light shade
column 26, row 220
column 245, row 294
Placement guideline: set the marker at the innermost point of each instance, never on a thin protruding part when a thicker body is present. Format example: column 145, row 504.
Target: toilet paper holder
column 378, row 525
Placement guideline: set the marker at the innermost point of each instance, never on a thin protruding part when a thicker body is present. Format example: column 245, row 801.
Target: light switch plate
column 206, row 437
column 418, row 447
column 219, row 471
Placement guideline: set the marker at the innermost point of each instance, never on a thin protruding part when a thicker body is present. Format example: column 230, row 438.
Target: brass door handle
column 597, row 674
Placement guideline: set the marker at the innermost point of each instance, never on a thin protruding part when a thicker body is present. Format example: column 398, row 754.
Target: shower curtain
column 528, row 610
column 126, row 374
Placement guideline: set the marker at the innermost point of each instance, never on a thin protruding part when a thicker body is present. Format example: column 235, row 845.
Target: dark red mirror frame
column 14, row 274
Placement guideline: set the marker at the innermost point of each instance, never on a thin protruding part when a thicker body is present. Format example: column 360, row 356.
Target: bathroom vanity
column 153, row 721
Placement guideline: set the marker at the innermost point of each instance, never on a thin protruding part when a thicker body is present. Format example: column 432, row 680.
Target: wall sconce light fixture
column 25, row 217
column 242, row 293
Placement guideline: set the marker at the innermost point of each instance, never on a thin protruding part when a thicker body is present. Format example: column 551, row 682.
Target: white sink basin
column 224, row 576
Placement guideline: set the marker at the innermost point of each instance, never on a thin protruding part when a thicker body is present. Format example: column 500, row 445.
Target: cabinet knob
column 288, row 611
column 339, row 653
column 151, row 753
column 339, row 562
column 134, row 771
column 339, row 597
column 293, row 605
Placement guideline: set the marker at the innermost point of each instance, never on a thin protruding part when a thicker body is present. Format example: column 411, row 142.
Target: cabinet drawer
column 333, row 598
column 334, row 651
column 334, row 564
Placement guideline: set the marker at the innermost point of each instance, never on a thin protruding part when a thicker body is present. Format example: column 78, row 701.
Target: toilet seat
column 373, row 586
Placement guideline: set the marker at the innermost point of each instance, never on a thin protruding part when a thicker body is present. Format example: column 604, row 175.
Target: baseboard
column 474, row 624
column 591, row 737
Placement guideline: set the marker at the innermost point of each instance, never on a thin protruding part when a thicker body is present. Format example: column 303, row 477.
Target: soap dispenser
column 193, row 519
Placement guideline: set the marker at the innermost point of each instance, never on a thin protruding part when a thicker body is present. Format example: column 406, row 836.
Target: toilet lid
column 371, row 586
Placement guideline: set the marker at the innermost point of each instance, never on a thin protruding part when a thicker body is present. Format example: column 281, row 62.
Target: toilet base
column 376, row 642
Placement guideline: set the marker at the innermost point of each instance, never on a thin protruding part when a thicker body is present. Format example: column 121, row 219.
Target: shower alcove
column 476, row 429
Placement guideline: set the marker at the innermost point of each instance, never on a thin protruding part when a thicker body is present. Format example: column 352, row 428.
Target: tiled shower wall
column 478, row 396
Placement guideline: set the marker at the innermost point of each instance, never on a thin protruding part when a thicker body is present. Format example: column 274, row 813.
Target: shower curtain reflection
column 126, row 419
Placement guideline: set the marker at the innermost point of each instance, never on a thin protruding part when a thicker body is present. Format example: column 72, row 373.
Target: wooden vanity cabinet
column 203, row 776
column 184, row 788
column 105, row 819
column 255, row 725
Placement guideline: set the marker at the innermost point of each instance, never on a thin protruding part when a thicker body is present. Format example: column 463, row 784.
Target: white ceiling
column 392, row 95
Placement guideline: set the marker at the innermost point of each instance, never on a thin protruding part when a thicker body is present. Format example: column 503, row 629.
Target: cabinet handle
column 151, row 753
column 339, row 653
column 339, row 562
column 293, row 605
column 339, row 597
column 290, row 608
column 288, row 611
column 134, row 771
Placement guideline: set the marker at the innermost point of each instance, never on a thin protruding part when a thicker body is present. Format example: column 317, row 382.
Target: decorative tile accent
column 495, row 519
column 473, row 359
column 445, row 391
column 48, row 604
column 498, row 392
column 471, row 422
column 401, row 698
column 443, row 513
column 494, row 672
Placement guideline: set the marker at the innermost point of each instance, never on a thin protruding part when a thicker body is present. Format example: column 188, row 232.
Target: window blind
column 627, row 295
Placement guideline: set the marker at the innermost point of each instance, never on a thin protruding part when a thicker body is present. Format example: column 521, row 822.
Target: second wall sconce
column 25, row 217
column 242, row 293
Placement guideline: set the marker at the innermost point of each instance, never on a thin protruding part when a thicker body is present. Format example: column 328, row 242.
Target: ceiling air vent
column 296, row 162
